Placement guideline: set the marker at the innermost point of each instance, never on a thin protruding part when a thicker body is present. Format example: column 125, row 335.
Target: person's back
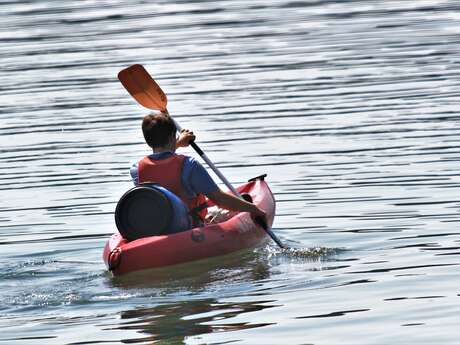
column 182, row 175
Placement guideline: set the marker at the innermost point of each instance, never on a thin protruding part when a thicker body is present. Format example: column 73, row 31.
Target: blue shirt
column 195, row 179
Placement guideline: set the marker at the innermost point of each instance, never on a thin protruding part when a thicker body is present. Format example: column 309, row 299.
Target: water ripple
column 350, row 107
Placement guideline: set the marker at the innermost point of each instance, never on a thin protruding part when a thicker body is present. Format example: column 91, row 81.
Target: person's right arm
column 200, row 182
column 231, row 202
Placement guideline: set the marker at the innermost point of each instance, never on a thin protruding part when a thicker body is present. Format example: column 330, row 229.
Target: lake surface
column 350, row 107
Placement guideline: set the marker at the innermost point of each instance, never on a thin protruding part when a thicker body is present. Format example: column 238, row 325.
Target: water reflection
column 172, row 323
column 192, row 315
column 246, row 267
column 351, row 107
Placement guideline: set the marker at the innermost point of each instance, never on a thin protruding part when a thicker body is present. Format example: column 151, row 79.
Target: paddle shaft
column 214, row 168
column 210, row 164
column 269, row 231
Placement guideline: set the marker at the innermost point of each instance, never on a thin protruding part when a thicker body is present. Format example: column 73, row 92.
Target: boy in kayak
column 182, row 175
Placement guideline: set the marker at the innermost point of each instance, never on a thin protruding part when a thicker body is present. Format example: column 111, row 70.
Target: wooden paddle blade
column 138, row 82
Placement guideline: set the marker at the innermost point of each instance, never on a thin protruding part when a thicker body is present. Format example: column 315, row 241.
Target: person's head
column 159, row 130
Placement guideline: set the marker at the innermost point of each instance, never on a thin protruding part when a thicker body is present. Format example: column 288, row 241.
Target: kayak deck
column 237, row 233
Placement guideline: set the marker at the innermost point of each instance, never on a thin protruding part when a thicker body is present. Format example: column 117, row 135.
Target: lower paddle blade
column 138, row 82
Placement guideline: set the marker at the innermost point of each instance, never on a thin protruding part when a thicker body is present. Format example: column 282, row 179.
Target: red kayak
column 234, row 234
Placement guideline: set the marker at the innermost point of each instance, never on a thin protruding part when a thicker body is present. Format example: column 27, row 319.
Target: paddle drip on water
column 312, row 253
column 309, row 253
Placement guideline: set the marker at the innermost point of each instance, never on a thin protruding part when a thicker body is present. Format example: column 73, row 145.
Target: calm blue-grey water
column 350, row 107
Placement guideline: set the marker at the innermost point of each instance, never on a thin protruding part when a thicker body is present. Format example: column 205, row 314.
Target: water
column 350, row 107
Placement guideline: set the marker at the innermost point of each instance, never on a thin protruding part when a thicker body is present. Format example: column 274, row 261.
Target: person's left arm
column 134, row 172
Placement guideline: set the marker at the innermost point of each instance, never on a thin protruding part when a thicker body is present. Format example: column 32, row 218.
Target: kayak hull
column 237, row 233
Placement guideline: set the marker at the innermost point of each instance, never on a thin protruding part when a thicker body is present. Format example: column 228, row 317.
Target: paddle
column 138, row 82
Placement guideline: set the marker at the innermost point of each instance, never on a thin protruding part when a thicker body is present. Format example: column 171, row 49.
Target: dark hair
column 158, row 129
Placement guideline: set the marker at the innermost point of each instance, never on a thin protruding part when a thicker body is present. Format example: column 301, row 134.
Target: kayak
column 236, row 233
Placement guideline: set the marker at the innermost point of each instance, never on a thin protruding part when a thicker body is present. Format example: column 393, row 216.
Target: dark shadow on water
column 172, row 323
column 246, row 266
column 188, row 299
